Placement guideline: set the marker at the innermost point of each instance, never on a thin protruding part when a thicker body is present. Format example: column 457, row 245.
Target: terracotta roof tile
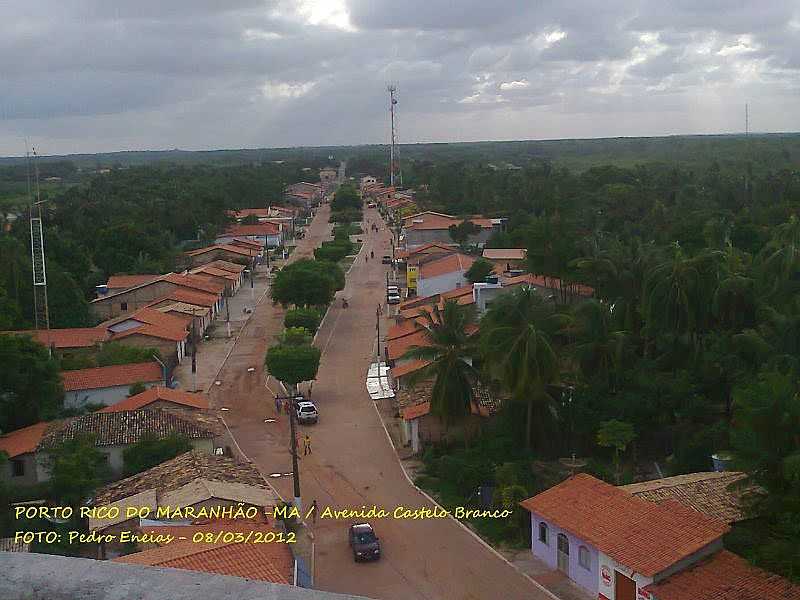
column 189, row 297
column 81, row 337
column 713, row 494
column 641, row 535
column 22, row 441
column 247, row 242
column 504, row 253
column 156, row 393
column 99, row 377
column 264, row 562
column 124, row 427
column 266, row 228
column 724, row 576
column 215, row 271
column 408, row 367
column 174, row 474
column 446, row 264
column 546, row 282
column 398, row 347
column 154, row 331
column 194, row 282
column 227, row 266
column 129, row 281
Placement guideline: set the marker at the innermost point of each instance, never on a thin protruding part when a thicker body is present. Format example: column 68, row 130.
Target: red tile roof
column 434, row 220
column 260, row 229
column 271, row 562
column 81, row 337
column 408, row 367
column 129, row 281
column 247, row 243
column 724, row 576
column 396, row 348
column 23, row 440
column 641, row 535
column 189, row 297
column 215, row 272
column 154, row 331
column 446, row 264
column 227, row 266
column 194, row 282
column 233, row 249
column 156, row 393
column 247, row 212
column 100, row 377
column 504, row 253
column 552, row 283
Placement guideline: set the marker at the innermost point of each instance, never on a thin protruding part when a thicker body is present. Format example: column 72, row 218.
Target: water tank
column 722, row 461
column 101, row 290
column 492, row 279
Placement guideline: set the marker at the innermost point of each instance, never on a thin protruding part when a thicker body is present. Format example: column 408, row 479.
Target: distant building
column 426, row 227
column 107, row 385
column 266, row 233
column 506, row 259
column 443, row 273
column 328, row 177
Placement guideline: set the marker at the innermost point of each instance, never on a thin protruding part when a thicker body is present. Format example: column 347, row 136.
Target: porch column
column 415, row 436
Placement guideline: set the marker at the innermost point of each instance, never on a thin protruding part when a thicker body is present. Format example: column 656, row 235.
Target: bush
column 308, row 318
column 150, row 452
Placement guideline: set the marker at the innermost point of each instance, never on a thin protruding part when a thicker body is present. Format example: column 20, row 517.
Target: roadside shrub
column 308, row 318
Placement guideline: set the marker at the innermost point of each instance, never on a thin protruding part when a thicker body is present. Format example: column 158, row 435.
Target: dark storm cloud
column 90, row 75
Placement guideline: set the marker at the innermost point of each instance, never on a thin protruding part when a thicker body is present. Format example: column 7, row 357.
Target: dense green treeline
column 134, row 220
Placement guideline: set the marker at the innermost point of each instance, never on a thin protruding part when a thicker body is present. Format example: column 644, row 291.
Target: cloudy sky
column 103, row 75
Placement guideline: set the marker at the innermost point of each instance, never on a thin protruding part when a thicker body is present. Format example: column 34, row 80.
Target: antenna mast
column 746, row 119
column 41, row 312
column 392, row 101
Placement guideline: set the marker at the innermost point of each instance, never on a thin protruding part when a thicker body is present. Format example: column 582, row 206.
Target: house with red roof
column 429, row 226
column 108, row 385
column 613, row 544
column 115, row 304
column 161, row 397
column 20, row 448
column 443, row 273
column 267, row 233
column 235, row 252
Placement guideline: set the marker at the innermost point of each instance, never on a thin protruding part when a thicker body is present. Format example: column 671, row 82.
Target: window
column 543, row 532
column 123, row 306
column 583, row 557
column 18, row 467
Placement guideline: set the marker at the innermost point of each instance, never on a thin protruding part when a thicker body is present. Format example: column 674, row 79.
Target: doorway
column 563, row 553
column 624, row 587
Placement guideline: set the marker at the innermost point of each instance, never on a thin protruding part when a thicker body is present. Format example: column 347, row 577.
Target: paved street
column 353, row 463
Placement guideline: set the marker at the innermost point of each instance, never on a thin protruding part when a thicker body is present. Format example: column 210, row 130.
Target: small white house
column 108, row 385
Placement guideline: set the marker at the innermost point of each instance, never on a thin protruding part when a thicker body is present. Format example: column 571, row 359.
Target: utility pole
column 227, row 315
column 293, row 445
column 378, row 312
column 194, row 354
column 41, row 310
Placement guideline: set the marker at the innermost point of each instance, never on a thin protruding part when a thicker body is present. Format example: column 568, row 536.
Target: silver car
column 307, row 412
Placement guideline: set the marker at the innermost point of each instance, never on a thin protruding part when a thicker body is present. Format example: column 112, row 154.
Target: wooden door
column 562, row 553
column 624, row 587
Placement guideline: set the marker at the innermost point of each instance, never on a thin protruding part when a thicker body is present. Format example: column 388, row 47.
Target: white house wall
column 606, row 579
column 443, row 283
column 105, row 396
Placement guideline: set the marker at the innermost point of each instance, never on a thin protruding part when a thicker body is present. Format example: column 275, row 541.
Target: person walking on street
column 286, row 404
column 314, row 511
column 306, row 445
column 278, row 406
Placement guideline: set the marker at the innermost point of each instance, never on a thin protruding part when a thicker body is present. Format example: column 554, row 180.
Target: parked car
column 307, row 412
column 364, row 543
column 392, row 290
column 393, row 298
column 386, row 259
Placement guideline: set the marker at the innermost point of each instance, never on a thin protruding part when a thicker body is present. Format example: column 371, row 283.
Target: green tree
column 766, row 445
column 461, row 233
column 596, row 343
column 517, row 341
column 151, row 451
column 479, row 270
column 117, row 353
column 76, row 467
column 617, row 435
column 308, row 318
column 304, row 283
column 136, row 388
column 450, row 347
column 293, row 359
column 30, row 385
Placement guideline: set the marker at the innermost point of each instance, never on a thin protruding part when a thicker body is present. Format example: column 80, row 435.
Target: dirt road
column 353, row 464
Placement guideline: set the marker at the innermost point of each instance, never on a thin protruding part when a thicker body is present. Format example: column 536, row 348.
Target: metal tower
column 41, row 312
column 393, row 150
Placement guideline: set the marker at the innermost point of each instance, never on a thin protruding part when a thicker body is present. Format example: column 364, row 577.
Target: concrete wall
column 29, row 476
column 548, row 553
column 608, row 569
column 428, row 286
column 111, row 307
column 28, row 576
column 106, row 395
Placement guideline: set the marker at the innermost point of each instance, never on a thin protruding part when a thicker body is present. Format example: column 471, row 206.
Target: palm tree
column 516, row 337
column 597, row 344
column 450, row 347
column 780, row 258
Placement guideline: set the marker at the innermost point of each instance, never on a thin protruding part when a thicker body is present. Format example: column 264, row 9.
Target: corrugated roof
column 100, row 377
column 124, row 427
column 644, row 536
column 156, row 393
column 711, row 493
column 724, row 576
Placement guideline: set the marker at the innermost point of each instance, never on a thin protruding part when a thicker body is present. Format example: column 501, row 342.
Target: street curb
column 460, row 524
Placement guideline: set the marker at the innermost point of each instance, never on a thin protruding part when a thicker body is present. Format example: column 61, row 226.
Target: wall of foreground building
column 45, row 577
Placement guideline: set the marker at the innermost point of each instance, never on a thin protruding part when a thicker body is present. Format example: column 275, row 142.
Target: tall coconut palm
column 449, row 349
column 596, row 343
column 517, row 343
column 779, row 261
